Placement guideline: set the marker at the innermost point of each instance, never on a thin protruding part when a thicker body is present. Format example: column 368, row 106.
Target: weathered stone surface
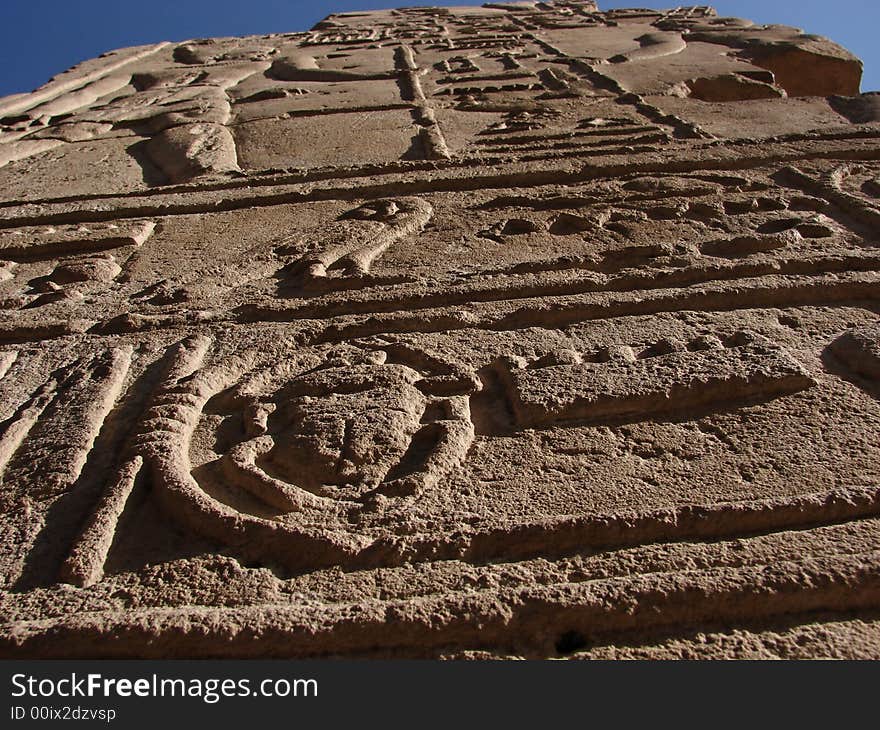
column 528, row 329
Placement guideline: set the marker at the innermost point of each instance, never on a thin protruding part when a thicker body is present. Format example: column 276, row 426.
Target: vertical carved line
column 84, row 565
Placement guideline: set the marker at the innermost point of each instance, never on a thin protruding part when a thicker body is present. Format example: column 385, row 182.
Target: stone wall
column 517, row 330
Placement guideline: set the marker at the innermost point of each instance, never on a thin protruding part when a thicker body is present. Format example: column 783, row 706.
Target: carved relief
column 859, row 349
column 618, row 383
column 313, row 444
column 437, row 330
column 82, row 260
column 339, row 255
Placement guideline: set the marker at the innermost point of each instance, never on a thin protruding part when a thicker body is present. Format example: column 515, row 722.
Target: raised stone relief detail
column 530, row 329
column 340, row 254
column 618, row 383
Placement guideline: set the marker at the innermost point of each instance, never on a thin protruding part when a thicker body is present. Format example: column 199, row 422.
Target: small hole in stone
column 570, row 642
column 778, row 226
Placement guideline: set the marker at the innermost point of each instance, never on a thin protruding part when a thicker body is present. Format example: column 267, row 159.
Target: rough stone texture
column 522, row 330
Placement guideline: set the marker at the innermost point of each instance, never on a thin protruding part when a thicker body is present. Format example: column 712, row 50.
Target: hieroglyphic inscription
column 432, row 330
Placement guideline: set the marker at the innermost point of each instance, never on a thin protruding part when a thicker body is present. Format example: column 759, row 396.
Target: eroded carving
column 859, row 349
column 451, row 328
column 619, row 383
column 325, row 441
column 339, row 255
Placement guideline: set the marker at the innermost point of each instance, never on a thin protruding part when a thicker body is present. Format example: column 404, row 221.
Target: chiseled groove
column 24, row 420
column 567, row 309
column 101, row 386
column 538, row 144
column 276, row 178
column 806, row 291
column 84, row 565
column 623, row 132
column 679, row 279
column 495, row 618
column 502, row 180
column 567, row 536
column 63, row 433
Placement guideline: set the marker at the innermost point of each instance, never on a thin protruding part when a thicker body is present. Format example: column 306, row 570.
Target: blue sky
column 39, row 38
